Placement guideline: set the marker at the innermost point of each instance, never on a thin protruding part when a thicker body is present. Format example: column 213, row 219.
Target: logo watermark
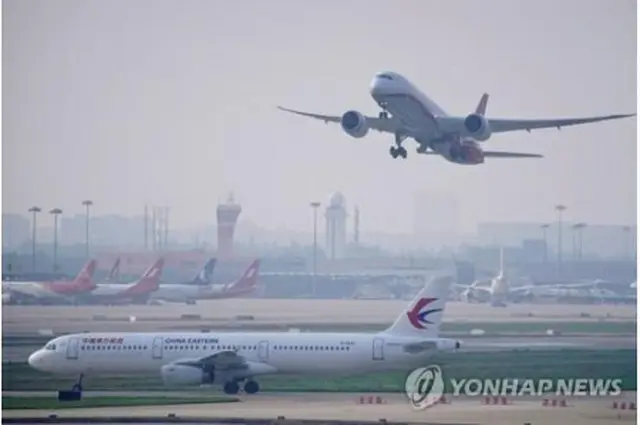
column 426, row 386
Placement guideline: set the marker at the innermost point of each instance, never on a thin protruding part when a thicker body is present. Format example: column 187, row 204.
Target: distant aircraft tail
column 149, row 282
column 247, row 282
column 481, row 109
column 423, row 316
column 84, row 279
column 114, row 273
column 205, row 276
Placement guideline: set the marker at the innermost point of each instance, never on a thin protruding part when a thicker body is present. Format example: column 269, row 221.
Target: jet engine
column 354, row 124
column 185, row 375
column 477, row 127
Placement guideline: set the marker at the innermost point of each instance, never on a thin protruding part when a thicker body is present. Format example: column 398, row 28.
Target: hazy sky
column 173, row 102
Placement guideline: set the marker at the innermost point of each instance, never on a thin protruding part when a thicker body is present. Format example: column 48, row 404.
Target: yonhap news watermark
column 426, row 386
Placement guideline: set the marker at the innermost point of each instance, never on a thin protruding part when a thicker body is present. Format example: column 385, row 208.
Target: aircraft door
column 73, row 349
column 378, row 349
column 156, row 348
column 263, row 351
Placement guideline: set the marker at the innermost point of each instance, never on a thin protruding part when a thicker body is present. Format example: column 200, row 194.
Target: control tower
column 227, row 215
column 336, row 226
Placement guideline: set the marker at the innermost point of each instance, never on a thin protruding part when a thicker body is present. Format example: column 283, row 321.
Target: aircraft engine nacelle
column 477, row 126
column 448, row 345
column 354, row 124
column 177, row 375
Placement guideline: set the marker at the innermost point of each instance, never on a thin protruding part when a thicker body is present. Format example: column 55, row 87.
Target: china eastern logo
column 418, row 315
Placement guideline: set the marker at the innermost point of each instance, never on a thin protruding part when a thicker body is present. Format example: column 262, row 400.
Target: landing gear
column 383, row 115
column 398, row 150
column 251, row 387
column 77, row 387
column 231, row 388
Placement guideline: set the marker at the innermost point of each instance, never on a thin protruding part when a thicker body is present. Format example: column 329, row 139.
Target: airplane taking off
column 189, row 293
column 50, row 292
column 195, row 358
column 409, row 113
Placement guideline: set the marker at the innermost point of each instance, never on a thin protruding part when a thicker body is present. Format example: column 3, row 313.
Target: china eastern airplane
column 409, row 113
column 196, row 358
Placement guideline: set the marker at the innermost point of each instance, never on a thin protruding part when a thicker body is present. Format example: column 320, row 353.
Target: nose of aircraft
column 376, row 86
column 35, row 359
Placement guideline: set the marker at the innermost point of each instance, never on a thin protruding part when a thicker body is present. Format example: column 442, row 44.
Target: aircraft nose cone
column 35, row 360
column 374, row 88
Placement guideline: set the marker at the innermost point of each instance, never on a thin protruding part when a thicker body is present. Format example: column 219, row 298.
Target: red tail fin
column 84, row 279
column 249, row 279
column 149, row 281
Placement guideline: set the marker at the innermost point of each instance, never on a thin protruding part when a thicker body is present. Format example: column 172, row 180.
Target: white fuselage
column 418, row 115
column 286, row 352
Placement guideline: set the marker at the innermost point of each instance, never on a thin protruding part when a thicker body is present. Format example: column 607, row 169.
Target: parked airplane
column 50, row 292
column 194, row 358
column 499, row 290
column 189, row 293
column 204, row 276
column 409, row 113
column 137, row 292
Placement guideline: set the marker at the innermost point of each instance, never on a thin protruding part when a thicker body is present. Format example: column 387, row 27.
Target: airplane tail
column 481, row 109
column 114, row 273
column 150, row 280
column 248, row 281
column 84, row 279
column 204, row 277
column 423, row 316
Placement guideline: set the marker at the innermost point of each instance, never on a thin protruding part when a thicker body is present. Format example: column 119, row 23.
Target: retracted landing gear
column 398, row 150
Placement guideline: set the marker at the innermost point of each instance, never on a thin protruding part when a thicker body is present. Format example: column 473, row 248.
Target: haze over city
column 174, row 103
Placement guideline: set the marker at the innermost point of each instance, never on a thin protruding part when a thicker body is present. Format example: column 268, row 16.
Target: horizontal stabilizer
column 493, row 154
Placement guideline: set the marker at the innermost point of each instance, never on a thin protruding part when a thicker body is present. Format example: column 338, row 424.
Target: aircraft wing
column 388, row 125
column 495, row 154
column 222, row 360
column 504, row 125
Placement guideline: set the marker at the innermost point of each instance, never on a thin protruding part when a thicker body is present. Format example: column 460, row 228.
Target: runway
column 218, row 313
column 586, row 411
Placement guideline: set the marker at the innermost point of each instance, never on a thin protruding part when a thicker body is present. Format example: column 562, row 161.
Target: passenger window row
column 113, row 347
column 217, row 347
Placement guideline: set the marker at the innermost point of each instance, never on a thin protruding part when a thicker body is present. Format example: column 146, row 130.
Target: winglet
column 481, row 109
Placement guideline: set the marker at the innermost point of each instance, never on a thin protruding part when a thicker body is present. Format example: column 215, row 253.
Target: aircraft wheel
column 393, row 151
column 231, row 388
column 402, row 152
column 251, row 387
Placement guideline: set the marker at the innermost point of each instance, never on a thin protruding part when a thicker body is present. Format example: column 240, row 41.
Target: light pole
column 625, row 242
column 545, row 228
column 87, row 204
column 56, row 212
column 34, row 211
column 580, row 227
column 560, row 209
column 315, row 206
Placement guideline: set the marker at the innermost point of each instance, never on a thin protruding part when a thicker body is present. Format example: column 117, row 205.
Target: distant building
column 16, row 230
column 336, row 227
column 227, row 217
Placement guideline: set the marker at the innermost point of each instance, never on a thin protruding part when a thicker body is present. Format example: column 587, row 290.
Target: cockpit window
column 386, row 77
column 50, row 347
